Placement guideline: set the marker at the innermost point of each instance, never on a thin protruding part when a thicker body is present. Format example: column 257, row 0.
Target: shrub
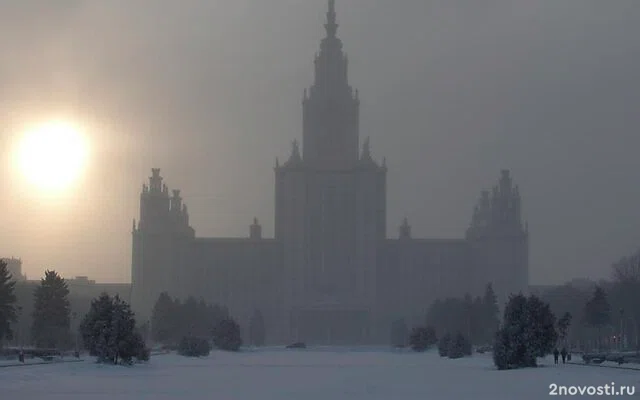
column 194, row 347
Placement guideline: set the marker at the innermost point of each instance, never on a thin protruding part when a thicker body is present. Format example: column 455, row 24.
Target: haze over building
column 330, row 274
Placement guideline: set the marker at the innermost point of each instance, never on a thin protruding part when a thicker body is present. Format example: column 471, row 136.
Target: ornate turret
column 405, row 230
column 498, row 211
column 499, row 240
column 295, row 159
column 330, row 108
column 255, row 231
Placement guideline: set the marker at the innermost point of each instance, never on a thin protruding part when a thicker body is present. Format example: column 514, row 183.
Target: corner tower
column 499, row 240
column 160, row 245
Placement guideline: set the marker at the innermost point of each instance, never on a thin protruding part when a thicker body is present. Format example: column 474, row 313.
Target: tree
column 109, row 332
column 163, row 319
column 51, row 326
column 626, row 292
column 422, row 338
column 399, row 333
column 598, row 311
column 257, row 329
column 528, row 332
column 172, row 320
column 443, row 344
column 226, row 335
column 563, row 325
column 459, row 346
column 490, row 314
column 8, row 313
column 194, row 347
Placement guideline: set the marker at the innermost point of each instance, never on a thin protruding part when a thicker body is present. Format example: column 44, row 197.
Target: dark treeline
column 171, row 319
column 108, row 330
column 604, row 315
column 174, row 323
column 476, row 319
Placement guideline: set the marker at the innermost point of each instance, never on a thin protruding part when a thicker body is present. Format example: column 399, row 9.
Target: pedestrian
column 556, row 353
column 564, row 355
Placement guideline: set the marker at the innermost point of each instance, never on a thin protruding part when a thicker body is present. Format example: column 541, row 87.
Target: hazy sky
column 452, row 91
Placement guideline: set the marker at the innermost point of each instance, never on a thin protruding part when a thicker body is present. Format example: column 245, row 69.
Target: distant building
column 330, row 275
column 14, row 265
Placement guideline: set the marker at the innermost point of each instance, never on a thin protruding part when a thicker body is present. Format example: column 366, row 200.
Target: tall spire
column 331, row 26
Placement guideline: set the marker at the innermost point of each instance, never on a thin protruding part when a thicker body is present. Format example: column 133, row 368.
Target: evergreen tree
column 459, row 346
column 563, row 325
column 163, row 320
column 257, row 329
column 399, row 333
column 598, row 311
column 51, row 326
column 528, row 332
column 109, row 332
column 226, row 335
column 8, row 313
column 490, row 314
column 194, row 347
column 443, row 344
column 422, row 338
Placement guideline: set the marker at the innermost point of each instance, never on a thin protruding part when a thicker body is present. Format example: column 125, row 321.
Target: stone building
column 330, row 274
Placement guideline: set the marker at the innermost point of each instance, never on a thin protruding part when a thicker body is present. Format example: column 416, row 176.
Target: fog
column 452, row 91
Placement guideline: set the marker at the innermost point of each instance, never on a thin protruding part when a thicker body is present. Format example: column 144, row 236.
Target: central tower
column 330, row 209
column 330, row 107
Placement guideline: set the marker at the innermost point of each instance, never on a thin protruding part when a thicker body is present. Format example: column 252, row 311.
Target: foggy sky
column 452, row 91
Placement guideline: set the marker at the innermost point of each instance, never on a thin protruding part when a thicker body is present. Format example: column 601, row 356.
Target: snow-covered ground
column 322, row 374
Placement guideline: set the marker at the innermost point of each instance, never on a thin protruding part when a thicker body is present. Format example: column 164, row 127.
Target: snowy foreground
column 322, row 374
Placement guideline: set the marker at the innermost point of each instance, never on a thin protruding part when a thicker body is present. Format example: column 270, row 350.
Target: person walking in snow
column 556, row 353
column 564, row 355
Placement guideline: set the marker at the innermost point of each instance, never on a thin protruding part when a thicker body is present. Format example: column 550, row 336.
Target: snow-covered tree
column 528, row 332
column 226, row 335
column 109, row 332
column 443, row 344
column 51, row 326
column 459, row 346
column 598, row 311
column 173, row 320
column 490, row 314
column 191, row 346
column 422, row 338
column 163, row 319
column 8, row 313
column 563, row 325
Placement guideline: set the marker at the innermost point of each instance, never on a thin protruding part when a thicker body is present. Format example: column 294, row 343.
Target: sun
column 52, row 156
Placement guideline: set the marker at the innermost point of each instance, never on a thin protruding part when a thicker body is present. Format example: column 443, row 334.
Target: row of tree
column 51, row 327
column 476, row 319
column 108, row 330
column 184, row 325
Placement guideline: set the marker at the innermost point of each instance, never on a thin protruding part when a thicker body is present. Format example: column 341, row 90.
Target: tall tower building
column 330, row 207
column 330, row 275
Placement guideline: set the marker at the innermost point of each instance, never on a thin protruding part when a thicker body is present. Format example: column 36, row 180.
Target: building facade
column 14, row 265
column 330, row 274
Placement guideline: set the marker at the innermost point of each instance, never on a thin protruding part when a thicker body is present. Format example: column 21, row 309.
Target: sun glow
column 52, row 156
